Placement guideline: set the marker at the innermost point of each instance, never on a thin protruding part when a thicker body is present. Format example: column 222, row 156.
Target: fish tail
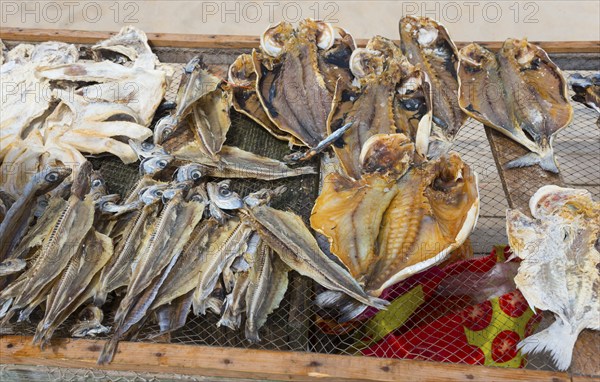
column 5, row 307
column 109, row 351
column 547, row 161
column 558, row 339
column 252, row 333
column 344, row 307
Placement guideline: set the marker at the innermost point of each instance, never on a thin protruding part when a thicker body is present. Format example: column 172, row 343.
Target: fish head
column 155, row 164
column 273, row 41
column 319, row 32
column 104, row 202
column 164, row 129
column 566, row 202
column 98, row 186
column 179, row 188
column 83, row 180
column 191, row 171
column 263, row 196
column 223, row 197
column 50, row 178
column 366, row 64
column 198, row 194
column 145, row 149
column 242, row 73
column 41, row 205
column 153, row 194
column 387, row 154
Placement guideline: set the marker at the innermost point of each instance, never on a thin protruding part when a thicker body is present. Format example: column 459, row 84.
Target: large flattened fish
column 559, row 252
column 426, row 43
column 385, row 230
column 519, row 92
column 290, row 83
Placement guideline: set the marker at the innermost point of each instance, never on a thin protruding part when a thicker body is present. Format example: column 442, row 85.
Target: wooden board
column 235, row 41
column 253, row 364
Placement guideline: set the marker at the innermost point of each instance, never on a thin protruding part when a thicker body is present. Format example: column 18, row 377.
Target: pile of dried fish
column 393, row 201
column 57, row 108
column 559, row 248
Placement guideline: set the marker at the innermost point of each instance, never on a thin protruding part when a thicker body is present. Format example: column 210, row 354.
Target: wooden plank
column 234, row 41
column 252, row 364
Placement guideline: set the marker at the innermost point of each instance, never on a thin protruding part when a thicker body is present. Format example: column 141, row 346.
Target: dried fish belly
column 558, row 272
column 520, row 92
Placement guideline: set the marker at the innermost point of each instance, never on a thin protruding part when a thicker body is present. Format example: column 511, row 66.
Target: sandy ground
column 466, row 20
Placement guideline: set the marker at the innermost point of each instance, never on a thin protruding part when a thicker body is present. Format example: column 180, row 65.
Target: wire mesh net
column 298, row 325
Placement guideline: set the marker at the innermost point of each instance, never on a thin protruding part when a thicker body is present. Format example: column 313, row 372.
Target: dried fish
column 559, row 254
column 19, row 216
column 386, row 230
column 58, row 247
column 426, row 43
column 95, row 251
column 90, row 323
column 587, row 90
column 268, row 281
column 287, row 235
column 520, row 92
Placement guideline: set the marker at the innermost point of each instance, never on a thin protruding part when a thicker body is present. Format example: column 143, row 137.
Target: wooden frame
column 248, row 363
column 238, row 42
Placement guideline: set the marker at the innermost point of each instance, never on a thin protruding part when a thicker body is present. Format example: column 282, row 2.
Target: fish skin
column 94, row 253
column 268, row 282
column 232, row 244
column 174, row 315
column 287, row 235
column 19, row 216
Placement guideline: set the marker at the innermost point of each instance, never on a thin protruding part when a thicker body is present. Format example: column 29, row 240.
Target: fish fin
column 347, row 308
column 558, row 339
column 252, row 334
column 109, row 351
column 546, row 162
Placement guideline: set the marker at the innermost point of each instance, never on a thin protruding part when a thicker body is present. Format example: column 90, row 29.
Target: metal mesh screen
column 293, row 326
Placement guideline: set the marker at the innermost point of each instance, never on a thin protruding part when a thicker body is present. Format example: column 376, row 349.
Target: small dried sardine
column 268, row 282
column 19, row 216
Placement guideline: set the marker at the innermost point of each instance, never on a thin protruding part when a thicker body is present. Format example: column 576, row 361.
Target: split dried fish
column 426, row 43
column 587, row 90
column 520, row 92
column 385, row 230
column 287, row 235
column 19, row 216
column 559, row 252
column 268, row 282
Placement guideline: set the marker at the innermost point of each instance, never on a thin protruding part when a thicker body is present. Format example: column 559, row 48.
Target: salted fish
column 519, row 92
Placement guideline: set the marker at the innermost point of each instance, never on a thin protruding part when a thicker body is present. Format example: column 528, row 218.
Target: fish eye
column 197, row 198
column 43, row 203
column 162, row 163
column 167, row 132
column 196, row 174
column 52, row 177
column 97, row 183
column 147, row 145
column 158, row 193
column 224, row 191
